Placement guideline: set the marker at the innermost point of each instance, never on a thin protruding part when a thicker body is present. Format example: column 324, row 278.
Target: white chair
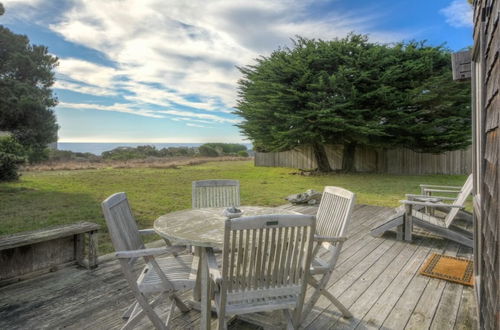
column 332, row 219
column 215, row 193
column 163, row 276
column 433, row 214
column 265, row 264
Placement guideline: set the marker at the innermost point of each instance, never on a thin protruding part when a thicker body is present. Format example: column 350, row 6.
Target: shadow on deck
column 376, row 279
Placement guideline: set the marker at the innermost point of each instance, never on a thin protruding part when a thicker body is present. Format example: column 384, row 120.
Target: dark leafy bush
column 66, row 155
column 242, row 153
column 226, row 148
column 208, row 151
column 142, row 152
column 176, row 152
column 122, row 153
column 12, row 156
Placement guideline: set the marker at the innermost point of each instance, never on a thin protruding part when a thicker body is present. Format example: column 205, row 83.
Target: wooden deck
column 376, row 278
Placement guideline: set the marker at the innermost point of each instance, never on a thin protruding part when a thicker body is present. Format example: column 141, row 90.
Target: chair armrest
column 421, row 198
column 148, row 231
column 440, row 187
column 431, row 204
column 148, row 252
column 441, row 190
column 213, row 269
column 330, row 239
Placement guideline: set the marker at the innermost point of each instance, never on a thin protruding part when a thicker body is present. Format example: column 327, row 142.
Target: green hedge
column 12, row 156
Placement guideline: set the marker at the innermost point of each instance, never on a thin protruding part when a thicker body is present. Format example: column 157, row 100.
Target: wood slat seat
column 176, row 269
column 241, row 306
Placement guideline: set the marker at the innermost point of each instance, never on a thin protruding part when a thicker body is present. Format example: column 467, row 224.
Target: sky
column 166, row 71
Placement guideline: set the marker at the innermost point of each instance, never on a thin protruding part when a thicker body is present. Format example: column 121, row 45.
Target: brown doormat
column 448, row 268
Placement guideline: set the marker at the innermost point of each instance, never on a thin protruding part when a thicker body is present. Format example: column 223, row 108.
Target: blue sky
column 165, row 71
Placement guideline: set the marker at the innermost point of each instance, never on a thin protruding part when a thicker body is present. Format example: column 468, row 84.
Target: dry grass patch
column 151, row 162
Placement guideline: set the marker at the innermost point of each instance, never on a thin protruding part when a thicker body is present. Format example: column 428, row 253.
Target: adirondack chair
column 431, row 213
column 332, row 220
column 264, row 266
column 164, row 276
column 215, row 193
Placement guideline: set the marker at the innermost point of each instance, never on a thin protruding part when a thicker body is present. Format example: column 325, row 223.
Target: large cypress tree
column 352, row 92
column 26, row 78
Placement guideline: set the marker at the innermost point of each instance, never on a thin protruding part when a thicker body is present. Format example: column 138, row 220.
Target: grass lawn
column 42, row 199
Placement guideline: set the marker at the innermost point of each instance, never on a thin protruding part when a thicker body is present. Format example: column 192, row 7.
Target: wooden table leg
column 205, row 293
column 196, row 271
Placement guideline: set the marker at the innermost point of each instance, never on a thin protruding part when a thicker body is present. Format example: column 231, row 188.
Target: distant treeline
column 141, row 152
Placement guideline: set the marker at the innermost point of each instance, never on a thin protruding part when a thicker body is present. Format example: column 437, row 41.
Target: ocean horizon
column 97, row 148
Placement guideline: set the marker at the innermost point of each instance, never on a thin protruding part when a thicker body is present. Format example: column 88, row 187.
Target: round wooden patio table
column 203, row 229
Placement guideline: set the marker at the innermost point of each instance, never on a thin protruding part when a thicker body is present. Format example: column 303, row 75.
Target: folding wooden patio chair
column 431, row 213
column 215, row 193
column 332, row 219
column 265, row 264
column 163, row 276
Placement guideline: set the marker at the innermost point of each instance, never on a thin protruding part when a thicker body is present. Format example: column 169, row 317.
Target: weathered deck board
column 376, row 278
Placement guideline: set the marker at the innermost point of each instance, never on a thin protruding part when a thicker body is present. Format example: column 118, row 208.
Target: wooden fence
column 397, row 161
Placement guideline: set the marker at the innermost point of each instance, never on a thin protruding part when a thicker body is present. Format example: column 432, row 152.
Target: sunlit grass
column 42, row 199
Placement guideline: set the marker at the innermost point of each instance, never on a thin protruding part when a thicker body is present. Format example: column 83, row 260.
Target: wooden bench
column 30, row 253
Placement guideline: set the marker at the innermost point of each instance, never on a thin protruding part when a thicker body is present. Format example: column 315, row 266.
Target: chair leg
column 170, row 313
column 314, row 297
column 182, row 306
column 147, row 310
column 129, row 310
column 221, row 315
column 400, row 232
column 288, row 319
column 337, row 304
column 222, row 323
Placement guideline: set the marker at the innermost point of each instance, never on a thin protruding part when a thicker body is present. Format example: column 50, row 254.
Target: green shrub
column 142, row 152
column 123, row 153
column 12, row 156
column 66, row 155
column 207, row 151
column 226, row 148
column 176, row 152
column 242, row 153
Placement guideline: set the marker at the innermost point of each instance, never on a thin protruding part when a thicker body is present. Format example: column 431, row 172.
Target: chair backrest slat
column 266, row 253
column 215, row 193
column 121, row 224
column 334, row 211
column 460, row 201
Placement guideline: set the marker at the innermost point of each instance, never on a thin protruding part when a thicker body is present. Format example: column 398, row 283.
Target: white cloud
column 117, row 107
column 82, row 88
column 144, row 93
column 192, row 120
column 205, row 116
column 186, row 52
column 458, row 14
column 20, row 2
column 195, row 125
column 87, row 72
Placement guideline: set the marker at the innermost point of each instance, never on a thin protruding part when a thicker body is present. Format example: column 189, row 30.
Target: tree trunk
column 321, row 158
column 348, row 155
